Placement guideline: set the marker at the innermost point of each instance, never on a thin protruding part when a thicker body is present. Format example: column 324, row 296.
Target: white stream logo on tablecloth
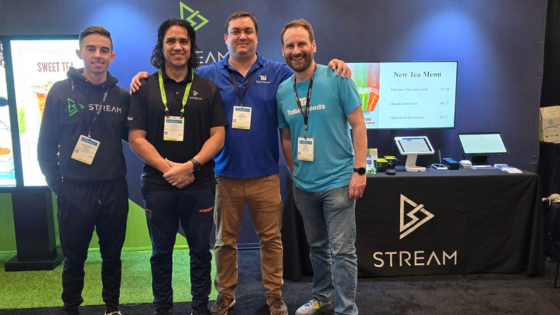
column 415, row 222
column 413, row 258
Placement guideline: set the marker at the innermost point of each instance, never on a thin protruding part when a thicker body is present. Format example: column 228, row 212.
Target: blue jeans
column 330, row 226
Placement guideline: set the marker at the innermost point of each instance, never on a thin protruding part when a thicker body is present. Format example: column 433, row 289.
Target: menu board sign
column 36, row 65
column 7, row 172
column 407, row 95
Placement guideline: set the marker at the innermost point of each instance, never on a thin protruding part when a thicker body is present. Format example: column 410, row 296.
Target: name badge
column 305, row 149
column 241, row 117
column 85, row 149
column 173, row 128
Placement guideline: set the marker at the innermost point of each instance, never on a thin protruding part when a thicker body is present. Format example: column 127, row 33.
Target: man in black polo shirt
column 176, row 123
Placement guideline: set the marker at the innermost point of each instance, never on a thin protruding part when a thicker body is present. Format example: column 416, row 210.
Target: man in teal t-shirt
column 315, row 112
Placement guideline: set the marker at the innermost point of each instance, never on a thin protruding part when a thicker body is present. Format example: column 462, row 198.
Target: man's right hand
column 135, row 83
column 179, row 175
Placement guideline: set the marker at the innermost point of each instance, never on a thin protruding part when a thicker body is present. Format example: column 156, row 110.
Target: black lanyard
column 307, row 102
column 237, row 87
column 76, row 104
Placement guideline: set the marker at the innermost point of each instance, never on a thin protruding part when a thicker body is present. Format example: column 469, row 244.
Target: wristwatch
column 196, row 165
column 360, row 170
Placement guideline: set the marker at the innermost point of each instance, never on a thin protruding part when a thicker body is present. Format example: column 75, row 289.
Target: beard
column 308, row 59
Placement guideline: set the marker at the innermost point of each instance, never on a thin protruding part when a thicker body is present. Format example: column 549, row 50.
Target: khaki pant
column 262, row 195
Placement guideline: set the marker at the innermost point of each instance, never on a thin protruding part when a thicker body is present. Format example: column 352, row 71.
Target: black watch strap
column 196, row 165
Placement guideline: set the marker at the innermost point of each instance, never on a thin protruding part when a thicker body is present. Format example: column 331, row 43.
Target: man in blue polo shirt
column 247, row 167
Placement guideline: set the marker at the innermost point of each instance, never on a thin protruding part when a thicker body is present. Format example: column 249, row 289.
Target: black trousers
column 194, row 211
column 81, row 209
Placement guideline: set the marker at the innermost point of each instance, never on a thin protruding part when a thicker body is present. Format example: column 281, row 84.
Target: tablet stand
column 411, row 166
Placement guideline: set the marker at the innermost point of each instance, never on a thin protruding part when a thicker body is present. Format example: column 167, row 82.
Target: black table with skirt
column 437, row 222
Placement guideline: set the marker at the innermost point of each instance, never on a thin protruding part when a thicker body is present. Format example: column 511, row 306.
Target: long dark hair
column 157, row 58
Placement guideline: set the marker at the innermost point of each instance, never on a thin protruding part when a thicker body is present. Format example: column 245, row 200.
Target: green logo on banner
column 191, row 15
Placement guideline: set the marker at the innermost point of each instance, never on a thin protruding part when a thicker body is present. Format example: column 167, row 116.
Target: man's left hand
column 180, row 175
column 341, row 67
column 357, row 185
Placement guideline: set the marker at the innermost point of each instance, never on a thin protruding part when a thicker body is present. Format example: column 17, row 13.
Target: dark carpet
column 454, row 294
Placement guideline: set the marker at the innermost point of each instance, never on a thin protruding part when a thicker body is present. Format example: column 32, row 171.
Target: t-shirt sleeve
column 138, row 110
column 281, row 119
column 202, row 71
column 285, row 72
column 348, row 94
column 208, row 72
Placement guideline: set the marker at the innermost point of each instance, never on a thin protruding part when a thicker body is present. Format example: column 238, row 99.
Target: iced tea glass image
column 6, row 156
column 6, row 159
column 364, row 93
column 372, row 100
column 41, row 92
column 373, row 84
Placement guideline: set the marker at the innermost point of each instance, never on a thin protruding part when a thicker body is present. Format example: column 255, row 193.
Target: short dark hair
column 157, row 58
column 298, row 23
column 241, row 14
column 95, row 29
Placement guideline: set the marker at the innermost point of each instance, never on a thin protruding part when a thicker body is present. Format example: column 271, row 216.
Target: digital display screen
column 414, row 145
column 407, row 95
column 482, row 143
column 37, row 64
column 7, row 170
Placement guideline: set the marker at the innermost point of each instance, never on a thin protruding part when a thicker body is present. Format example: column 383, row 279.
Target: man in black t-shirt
column 176, row 123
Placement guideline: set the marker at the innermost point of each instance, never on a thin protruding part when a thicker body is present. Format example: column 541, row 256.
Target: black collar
column 186, row 80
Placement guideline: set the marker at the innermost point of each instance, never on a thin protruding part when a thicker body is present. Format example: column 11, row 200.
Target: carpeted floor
column 456, row 294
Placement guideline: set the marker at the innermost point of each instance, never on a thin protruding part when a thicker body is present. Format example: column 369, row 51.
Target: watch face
column 360, row 170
